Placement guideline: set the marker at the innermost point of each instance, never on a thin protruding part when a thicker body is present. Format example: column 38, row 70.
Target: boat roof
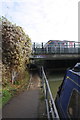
column 77, row 73
column 76, row 69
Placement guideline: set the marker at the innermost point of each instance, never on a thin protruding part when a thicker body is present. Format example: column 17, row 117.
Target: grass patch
column 0, row 102
column 0, row 97
column 54, row 85
column 13, row 89
column 6, row 96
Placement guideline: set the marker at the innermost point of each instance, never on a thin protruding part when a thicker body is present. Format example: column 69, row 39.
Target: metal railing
column 52, row 113
column 55, row 49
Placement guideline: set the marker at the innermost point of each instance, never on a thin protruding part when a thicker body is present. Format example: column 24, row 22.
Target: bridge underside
column 55, row 56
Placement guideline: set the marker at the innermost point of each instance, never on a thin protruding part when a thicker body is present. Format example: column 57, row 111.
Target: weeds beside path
column 10, row 90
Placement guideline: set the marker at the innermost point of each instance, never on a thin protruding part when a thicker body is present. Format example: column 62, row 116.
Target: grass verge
column 6, row 96
column 11, row 90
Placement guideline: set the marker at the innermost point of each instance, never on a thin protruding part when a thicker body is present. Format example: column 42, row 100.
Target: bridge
column 55, row 52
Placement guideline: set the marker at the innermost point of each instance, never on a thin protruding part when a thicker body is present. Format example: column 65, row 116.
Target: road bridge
column 58, row 52
column 56, row 57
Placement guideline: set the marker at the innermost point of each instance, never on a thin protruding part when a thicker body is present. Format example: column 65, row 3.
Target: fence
column 52, row 113
column 57, row 49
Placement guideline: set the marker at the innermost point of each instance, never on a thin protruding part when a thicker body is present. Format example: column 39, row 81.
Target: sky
column 44, row 20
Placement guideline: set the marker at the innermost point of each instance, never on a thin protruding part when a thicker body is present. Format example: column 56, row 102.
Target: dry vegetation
column 16, row 49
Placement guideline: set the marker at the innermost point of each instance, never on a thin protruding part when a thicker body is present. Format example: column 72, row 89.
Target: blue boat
column 68, row 96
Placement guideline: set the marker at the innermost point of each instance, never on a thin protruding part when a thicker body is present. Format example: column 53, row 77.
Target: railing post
column 42, row 48
column 34, row 46
column 42, row 76
column 46, row 90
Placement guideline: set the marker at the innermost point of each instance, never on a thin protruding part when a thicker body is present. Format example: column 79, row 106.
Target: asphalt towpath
column 26, row 104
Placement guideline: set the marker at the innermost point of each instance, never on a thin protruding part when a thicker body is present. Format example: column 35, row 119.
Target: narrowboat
column 68, row 96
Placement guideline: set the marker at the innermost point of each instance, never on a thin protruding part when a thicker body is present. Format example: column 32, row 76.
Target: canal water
column 55, row 79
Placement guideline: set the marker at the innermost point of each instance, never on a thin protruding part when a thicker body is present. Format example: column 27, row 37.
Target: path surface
column 26, row 104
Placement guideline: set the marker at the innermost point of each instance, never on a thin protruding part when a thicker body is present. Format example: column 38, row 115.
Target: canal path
column 26, row 104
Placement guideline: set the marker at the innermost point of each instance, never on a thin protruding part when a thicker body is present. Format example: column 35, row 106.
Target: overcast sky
column 44, row 20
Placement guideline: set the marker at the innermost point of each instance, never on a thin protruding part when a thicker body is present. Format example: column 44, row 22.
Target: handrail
column 50, row 104
column 44, row 48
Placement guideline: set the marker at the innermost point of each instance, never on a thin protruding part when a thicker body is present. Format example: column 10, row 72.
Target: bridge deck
column 55, row 56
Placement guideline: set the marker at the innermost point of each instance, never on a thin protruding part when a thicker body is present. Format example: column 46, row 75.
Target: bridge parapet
column 45, row 48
